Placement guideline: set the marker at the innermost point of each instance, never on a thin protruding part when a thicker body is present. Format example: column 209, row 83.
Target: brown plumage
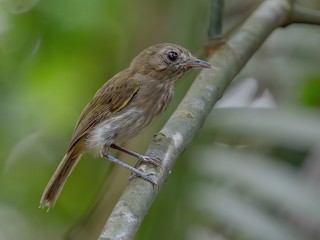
column 123, row 107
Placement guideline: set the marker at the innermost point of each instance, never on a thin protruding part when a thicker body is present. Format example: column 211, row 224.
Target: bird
column 123, row 107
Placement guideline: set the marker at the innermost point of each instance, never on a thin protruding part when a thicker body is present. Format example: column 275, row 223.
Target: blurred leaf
column 226, row 207
column 31, row 143
column 202, row 233
column 13, row 225
column 310, row 91
column 295, row 128
column 268, row 180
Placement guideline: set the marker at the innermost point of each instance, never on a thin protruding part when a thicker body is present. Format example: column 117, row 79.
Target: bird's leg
column 105, row 153
column 141, row 158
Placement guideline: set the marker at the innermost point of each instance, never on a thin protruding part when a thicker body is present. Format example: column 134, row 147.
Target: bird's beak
column 197, row 63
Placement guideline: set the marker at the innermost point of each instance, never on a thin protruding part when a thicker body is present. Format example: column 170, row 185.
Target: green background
column 54, row 55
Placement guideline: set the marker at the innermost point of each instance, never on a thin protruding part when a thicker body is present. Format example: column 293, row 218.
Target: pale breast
column 146, row 106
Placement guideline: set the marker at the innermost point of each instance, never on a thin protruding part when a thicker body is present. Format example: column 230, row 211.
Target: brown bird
column 123, row 107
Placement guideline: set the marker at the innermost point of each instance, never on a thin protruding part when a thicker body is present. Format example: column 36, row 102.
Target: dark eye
column 172, row 56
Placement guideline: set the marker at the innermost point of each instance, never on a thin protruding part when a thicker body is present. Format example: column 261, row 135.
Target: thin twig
column 305, row 16
column 178, row 132
column 216, row 19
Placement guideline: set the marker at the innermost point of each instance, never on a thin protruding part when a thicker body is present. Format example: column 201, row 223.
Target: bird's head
column 166, row 61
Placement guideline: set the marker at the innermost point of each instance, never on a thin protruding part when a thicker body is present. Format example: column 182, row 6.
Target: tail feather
column 58, row 179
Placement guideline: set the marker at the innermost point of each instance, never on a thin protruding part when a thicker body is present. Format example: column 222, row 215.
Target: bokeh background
column 252, row 172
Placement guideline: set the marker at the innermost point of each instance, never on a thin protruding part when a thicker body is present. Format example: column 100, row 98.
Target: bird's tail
column 57, row 181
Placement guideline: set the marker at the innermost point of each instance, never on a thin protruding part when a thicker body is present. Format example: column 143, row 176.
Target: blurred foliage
column 261, row 184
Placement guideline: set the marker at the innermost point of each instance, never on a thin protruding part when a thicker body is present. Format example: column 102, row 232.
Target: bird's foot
column 145, row 177
column 146, row 159
column 135, row 171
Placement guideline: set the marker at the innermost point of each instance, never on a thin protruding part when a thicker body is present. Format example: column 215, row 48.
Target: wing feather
column 113, row 96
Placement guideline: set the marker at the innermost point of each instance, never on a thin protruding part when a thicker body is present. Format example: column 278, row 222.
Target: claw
column 145, row 177
column 151, row 160
column 140, row 157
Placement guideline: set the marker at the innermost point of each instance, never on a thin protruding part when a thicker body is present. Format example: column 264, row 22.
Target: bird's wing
column 113, row 96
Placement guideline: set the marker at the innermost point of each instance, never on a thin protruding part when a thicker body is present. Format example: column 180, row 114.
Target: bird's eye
column 172, row 56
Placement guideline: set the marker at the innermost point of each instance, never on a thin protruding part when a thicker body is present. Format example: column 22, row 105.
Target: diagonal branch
column 228, row 59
